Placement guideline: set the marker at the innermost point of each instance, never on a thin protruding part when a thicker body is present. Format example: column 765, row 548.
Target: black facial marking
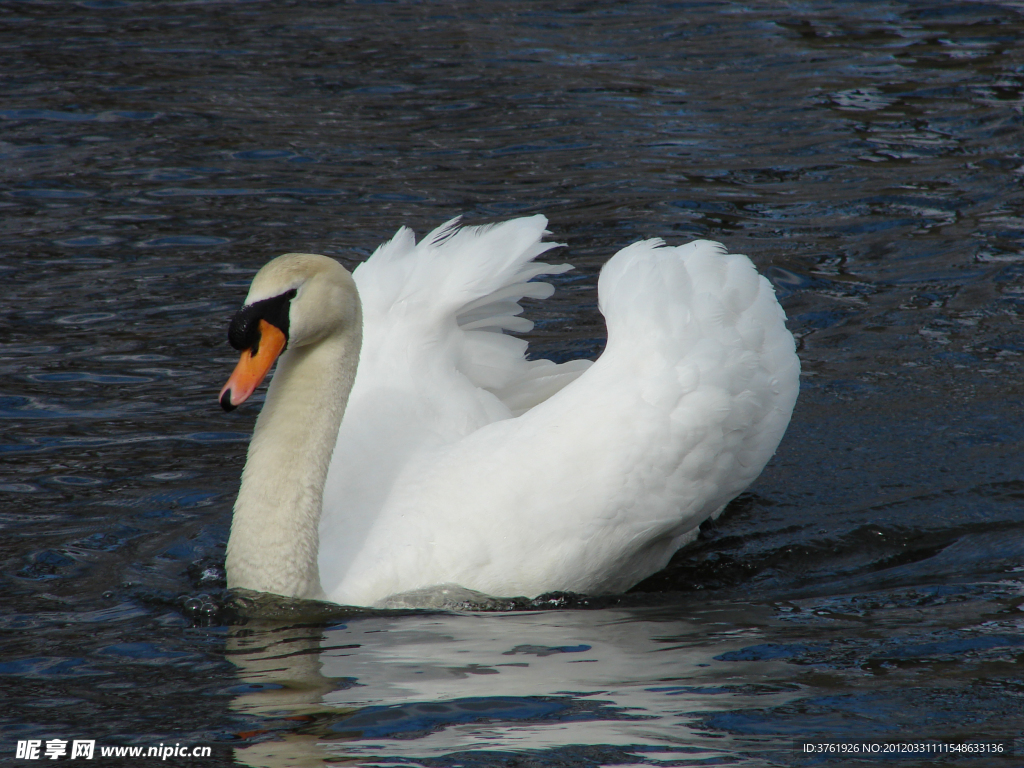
column 244, row 331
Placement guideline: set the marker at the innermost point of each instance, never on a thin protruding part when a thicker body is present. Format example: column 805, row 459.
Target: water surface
column 867, row 156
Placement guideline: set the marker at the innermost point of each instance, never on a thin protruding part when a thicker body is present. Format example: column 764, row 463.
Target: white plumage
column 460, row 462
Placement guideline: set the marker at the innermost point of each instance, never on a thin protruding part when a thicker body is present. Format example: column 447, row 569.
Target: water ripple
column 866, row 156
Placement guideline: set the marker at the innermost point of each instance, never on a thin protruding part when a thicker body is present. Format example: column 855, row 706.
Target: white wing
column 435, row 364
column 594, row 487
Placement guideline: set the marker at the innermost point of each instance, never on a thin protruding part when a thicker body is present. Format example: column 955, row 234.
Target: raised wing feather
column 435, row 364
column 461, row 287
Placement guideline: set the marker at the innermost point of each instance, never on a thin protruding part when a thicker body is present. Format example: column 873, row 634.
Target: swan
column 461, row 462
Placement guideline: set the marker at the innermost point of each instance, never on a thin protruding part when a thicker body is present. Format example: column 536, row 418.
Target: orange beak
column 253, row 368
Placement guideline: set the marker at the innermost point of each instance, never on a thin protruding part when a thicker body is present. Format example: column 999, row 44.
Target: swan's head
column 294, row 300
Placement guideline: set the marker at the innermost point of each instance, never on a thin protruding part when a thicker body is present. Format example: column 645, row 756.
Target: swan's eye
column 244, row 331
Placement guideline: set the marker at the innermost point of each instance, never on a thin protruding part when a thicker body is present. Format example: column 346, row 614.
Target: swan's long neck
column 274, row 533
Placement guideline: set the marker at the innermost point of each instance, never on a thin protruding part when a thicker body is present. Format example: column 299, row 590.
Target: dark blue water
column 867, row 156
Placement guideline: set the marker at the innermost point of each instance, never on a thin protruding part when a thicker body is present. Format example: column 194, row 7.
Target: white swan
column 459, row 461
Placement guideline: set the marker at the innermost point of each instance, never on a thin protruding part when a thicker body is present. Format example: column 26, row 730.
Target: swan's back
column 596, row 484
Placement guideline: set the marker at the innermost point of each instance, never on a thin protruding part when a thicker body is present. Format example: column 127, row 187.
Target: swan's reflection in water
column 419, row 687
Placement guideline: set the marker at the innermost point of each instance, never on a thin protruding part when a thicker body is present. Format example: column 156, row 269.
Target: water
column 866, row 155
